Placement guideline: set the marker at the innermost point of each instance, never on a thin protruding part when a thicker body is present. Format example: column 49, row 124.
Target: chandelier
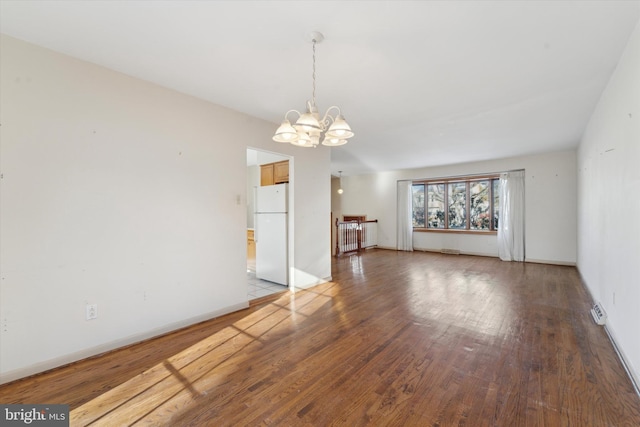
column 309, row 128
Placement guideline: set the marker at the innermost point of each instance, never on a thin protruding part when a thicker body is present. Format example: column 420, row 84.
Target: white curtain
column 511, row 222
column 405, row 220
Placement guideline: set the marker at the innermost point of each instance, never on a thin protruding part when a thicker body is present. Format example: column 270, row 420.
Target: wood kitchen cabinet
column 266, row 174
column 251, row 249
column 281, row 172
column 274, row 173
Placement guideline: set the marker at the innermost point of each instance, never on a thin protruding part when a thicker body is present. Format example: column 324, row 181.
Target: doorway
column 266, row 168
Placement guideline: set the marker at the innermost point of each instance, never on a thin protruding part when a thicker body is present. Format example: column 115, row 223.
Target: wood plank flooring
column 398, row 339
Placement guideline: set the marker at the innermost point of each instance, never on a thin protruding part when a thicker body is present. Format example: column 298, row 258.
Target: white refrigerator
column 270, row 233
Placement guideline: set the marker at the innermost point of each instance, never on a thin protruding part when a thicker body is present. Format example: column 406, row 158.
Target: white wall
column 121, row 193
column 608, row 204
column 312, row 192
column 253, row 180
column 550, row 204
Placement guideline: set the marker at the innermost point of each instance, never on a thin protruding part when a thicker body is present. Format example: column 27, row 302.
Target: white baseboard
column 439, row 251
column 635, row 379
column 533, row 261
column 628, row 367
column 57, row 362
column 546, row 261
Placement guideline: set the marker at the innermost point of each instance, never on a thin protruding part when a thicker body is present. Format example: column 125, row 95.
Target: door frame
column 270, row 157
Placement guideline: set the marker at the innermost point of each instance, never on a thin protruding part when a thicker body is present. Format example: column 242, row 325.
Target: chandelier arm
column 327, row 116
column 292, row 111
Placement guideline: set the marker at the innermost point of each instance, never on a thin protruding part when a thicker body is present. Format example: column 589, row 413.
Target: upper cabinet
column 274, row 173
column 266, row 174
column 281, row 172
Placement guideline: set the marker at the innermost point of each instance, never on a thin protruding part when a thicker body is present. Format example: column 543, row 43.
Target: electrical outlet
column 92, row 311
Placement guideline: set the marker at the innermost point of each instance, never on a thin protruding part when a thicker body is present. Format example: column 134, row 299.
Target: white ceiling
column 422, row 83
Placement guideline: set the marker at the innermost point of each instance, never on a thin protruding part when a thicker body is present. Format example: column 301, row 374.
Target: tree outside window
column 457, row 205
column 417, row 197
column 480, row 205
column 435, row 201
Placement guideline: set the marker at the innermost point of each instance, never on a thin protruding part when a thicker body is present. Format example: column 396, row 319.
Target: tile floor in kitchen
column 259, row 288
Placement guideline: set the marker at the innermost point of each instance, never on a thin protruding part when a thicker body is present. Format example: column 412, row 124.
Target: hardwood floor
column 406, row 339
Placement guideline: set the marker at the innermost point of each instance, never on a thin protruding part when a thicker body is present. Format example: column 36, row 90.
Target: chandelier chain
column 313, row 97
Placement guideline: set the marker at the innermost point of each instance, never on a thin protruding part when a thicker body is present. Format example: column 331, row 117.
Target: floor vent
column 599, row 316
column 450, row 251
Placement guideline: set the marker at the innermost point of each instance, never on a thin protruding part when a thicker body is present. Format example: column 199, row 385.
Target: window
column 456, row 204
column 436, row 205
column 496, row 201
column 417, row 197
column 480, row 206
